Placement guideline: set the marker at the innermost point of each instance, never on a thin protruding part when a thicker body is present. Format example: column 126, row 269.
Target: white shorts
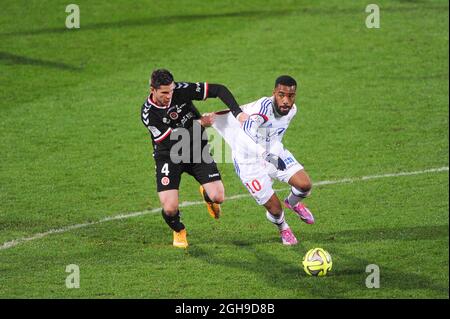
column 258, row 177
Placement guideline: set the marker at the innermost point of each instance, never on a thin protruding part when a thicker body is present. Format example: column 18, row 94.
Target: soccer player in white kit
column 266, row 121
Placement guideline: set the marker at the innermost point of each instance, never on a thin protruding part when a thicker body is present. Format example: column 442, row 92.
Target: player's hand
column 242, row 117
column 274, row 160
column 207, row 119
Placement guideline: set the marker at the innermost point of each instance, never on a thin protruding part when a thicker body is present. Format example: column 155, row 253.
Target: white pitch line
column 15, row 242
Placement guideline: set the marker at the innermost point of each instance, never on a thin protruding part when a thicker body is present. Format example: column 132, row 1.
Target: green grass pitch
column 73, row 149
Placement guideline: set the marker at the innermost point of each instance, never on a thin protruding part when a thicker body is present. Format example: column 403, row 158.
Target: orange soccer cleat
column 179, row 239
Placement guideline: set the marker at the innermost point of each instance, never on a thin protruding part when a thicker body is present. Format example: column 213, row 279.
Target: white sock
column 297, row 195
column 278, row 221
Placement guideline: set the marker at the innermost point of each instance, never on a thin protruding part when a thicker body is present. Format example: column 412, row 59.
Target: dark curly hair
column 160, row 77
column 285, row 80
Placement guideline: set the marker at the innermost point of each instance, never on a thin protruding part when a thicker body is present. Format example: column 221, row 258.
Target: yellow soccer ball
column 317, row 262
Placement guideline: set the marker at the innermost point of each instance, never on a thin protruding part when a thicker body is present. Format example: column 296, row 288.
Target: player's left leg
column 296, row 176
column 211, row 187
column 213, row 194
column 300, row 189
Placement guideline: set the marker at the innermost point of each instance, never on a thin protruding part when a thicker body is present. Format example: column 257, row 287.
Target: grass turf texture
column 74, row 149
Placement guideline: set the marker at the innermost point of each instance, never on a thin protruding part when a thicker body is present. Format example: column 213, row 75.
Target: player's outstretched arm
column 222, row 92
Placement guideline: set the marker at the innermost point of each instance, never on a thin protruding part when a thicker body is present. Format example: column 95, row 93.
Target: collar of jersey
column 149, row 100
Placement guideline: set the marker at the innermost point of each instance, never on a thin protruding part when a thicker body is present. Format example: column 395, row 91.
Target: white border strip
column 15, row 242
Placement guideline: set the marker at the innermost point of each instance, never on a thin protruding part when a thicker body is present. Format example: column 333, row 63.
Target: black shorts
column 168, row 174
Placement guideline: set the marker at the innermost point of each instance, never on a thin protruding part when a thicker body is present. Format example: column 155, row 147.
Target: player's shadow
column 263, row 264
column 168, row 20
column 390, row 278
column 160, row 21
column 13, row 59
column 285, row 275
column 376, row 234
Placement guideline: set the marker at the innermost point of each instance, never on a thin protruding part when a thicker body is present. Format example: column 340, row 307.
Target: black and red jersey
column 181, row 112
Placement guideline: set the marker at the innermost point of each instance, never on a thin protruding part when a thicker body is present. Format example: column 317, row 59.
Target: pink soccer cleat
column 288, row 237
column 302, row 211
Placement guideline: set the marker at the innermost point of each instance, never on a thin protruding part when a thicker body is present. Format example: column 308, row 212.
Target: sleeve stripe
column 163, row 136
column 247, row 125
column 265, row 106
column 247, row 130
column 236, row 167
column 205, row 95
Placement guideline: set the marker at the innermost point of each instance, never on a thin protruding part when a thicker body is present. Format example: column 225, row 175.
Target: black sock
column 173, row 221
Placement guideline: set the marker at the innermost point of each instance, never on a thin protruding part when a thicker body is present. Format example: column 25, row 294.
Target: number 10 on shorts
column 254, row 186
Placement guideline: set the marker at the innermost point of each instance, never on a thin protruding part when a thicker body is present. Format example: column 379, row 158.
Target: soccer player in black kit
column 169, row 109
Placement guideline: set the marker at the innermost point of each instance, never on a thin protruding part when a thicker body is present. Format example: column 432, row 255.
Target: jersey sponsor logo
column 186, row 118
column 198, row 88
column 165, row 181
column 173, row 115
column 180, row 108
column 213, row 175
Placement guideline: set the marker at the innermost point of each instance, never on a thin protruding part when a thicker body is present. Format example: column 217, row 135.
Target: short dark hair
column 160, row 77
column 285, row 80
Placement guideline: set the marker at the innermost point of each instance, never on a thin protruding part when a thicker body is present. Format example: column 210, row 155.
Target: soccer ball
column 317, row 262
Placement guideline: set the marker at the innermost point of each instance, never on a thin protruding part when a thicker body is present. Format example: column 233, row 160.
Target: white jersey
column 264, row 126
column 263, row 131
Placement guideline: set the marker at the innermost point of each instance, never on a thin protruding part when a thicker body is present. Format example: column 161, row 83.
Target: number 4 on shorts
column 165, row 169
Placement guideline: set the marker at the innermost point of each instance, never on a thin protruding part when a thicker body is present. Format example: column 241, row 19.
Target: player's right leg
column 275, row 215
column 171, row 215
column 168, row 176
